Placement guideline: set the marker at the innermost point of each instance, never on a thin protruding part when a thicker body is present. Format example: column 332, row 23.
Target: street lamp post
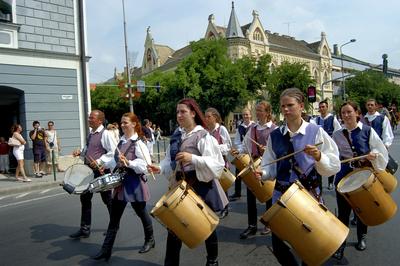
column 128, row 74
column 341, row 60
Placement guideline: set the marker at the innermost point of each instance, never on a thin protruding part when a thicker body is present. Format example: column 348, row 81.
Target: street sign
column 141, row 86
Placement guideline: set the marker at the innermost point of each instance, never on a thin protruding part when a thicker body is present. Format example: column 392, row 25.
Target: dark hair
column 215, row 113
column 294, row 93
column 50, row 122
column 35, row 123
column 352, row 104
column 324, row 102
column 193, row 106
column 135, row 119
column 100, row 115
column 14, row 128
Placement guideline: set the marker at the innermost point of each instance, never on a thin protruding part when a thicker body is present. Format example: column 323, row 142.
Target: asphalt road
column 34, row 229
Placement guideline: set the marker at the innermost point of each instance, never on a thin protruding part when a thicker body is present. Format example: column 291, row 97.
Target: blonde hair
column 294, row 93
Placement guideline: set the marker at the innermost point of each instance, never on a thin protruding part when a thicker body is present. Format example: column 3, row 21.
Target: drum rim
column 341, row 182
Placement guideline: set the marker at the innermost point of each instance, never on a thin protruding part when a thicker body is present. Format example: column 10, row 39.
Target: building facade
column 43, row 68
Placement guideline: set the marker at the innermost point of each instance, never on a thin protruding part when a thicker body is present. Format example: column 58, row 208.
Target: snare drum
column 183, row 212
column 307, row 225
column 77, row 178
column 226, row 179
column 262, row 190
column 106, row 182
column 388, row 180
column 367, row 197
column 241, row 161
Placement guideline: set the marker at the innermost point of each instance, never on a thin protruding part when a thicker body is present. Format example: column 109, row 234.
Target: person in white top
column 379, row 122
column 220, row 133
column 238, row 143
column 53, row 147
column 330, row 124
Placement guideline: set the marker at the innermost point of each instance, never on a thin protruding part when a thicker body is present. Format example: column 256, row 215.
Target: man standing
column 330, row 124
column 100, row 147
column 38, row 137
column 380, row 123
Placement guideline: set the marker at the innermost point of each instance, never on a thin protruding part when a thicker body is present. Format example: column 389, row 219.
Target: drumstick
column 120, row 153
column 93, row 160
column 255, row 142
column 144, row 157
column 290, row 155
column 252, row 164
column 354, row 158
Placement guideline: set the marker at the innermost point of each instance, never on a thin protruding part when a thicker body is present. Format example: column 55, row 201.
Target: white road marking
column 22, row 195
column 30, row 200
column 4, row 197
column 45, row 191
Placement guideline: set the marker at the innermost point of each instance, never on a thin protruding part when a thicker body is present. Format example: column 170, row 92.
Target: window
column 8, row 26
column 7, row 11
column 257, row 35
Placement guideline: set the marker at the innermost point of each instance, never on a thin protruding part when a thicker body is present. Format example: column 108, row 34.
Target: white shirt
column 336, row 124
column 209, row 165
column 226, row 139
column 237, row 142
column 139, row 165
column 108, row 143
column 376, row 145
column 328, row 165
column 247, row 143
column 387, row 133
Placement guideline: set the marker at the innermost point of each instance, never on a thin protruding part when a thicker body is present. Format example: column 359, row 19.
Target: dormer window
column 7, row 11
column 257, row 35
column 8, row 26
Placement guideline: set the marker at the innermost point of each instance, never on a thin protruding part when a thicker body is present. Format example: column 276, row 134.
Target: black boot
column 340, row 252
column 211, row 262
column 105, row 252
column 362, row 242
column 250, row 231
column 148, row 244
column 83, row 232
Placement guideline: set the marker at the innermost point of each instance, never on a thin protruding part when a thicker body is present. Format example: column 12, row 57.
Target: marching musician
column 238, row 142
column 295, row 135
column 330, row 124
column 195, row 156
column 356, row 139
column 132, row 156
column 254, row 144
column 220, row 133
column 99, row 150
column 380, row 123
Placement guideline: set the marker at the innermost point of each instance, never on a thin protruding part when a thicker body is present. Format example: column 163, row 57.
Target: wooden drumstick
column 252, row 166
column 120, row 153
column 255, row 142
column 93, row 161
column 354, row 158
column 290, row 155
column 144, row 157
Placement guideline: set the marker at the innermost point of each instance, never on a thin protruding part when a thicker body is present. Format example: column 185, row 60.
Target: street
column 35, row 228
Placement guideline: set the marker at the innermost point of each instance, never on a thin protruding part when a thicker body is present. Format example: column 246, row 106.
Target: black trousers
column 86, row 204
column 238, row 184
column 174, row 245
column 117, row 209
column 282, row 252
column 252, row 208
column 344, row 211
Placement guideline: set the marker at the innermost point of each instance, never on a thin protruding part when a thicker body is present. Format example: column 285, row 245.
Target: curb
column 29, row 187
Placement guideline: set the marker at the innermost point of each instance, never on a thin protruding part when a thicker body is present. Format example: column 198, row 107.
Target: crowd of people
column 198, row 153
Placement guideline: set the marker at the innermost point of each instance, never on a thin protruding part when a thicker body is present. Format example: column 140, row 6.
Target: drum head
column 354, row 180
column 78, row 176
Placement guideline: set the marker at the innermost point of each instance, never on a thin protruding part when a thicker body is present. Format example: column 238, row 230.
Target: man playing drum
column 99, row 150
column 238, row 142
column 193, row 155
column 356, row 139
column 296, row 135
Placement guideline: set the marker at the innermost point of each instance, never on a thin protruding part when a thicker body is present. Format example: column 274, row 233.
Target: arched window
column 257, row 35
column 148, row 56
column 325, row 51
column 211, row 36
column 316, row 75
column 326, row 77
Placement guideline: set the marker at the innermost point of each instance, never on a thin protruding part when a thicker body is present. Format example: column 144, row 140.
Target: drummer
column 295, row 135
column 238, row 142
column 131, row 156
column 356, row 139
column 220, row 133
column 195, row 156
column 99, row 150
column 254, row 144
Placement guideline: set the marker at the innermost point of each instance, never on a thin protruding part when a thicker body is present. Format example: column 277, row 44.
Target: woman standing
column 220, row 133
column 18, row 152
column 131, row 156
column 196, row 155
column 295, row 135
column 355, row 139
column 53, row 146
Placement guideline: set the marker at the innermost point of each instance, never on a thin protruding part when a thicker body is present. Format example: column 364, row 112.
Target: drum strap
column 359, row 163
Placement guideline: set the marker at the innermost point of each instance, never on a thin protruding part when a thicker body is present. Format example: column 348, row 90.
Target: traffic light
column 311, row 94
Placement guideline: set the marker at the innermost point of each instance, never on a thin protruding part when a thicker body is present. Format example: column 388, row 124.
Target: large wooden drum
column 183, row 212
column 226, row 179
column 388, row 180
column 306, row 225
column 366, row 195
column 241, row 161
column 262, row 190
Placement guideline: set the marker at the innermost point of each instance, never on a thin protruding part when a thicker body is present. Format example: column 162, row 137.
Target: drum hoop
column 341, row 182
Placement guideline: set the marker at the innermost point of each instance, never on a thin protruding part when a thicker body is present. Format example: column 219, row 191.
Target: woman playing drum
column 195, row 154
column 355, row 139
column 220, row 133
column 132, row 155
column 296, row 135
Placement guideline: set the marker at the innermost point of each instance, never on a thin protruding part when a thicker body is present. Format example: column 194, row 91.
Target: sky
column 374, row 24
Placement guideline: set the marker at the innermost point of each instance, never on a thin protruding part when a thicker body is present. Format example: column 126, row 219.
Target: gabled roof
column 288, row 44
column 163, row 52
column 314, row 46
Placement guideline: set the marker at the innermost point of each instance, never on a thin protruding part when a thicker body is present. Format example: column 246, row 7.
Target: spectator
column 18, row 152
column 148, row 135
column 158, row 132
column 52, row 144
column 38, row 137
column 4, row 161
